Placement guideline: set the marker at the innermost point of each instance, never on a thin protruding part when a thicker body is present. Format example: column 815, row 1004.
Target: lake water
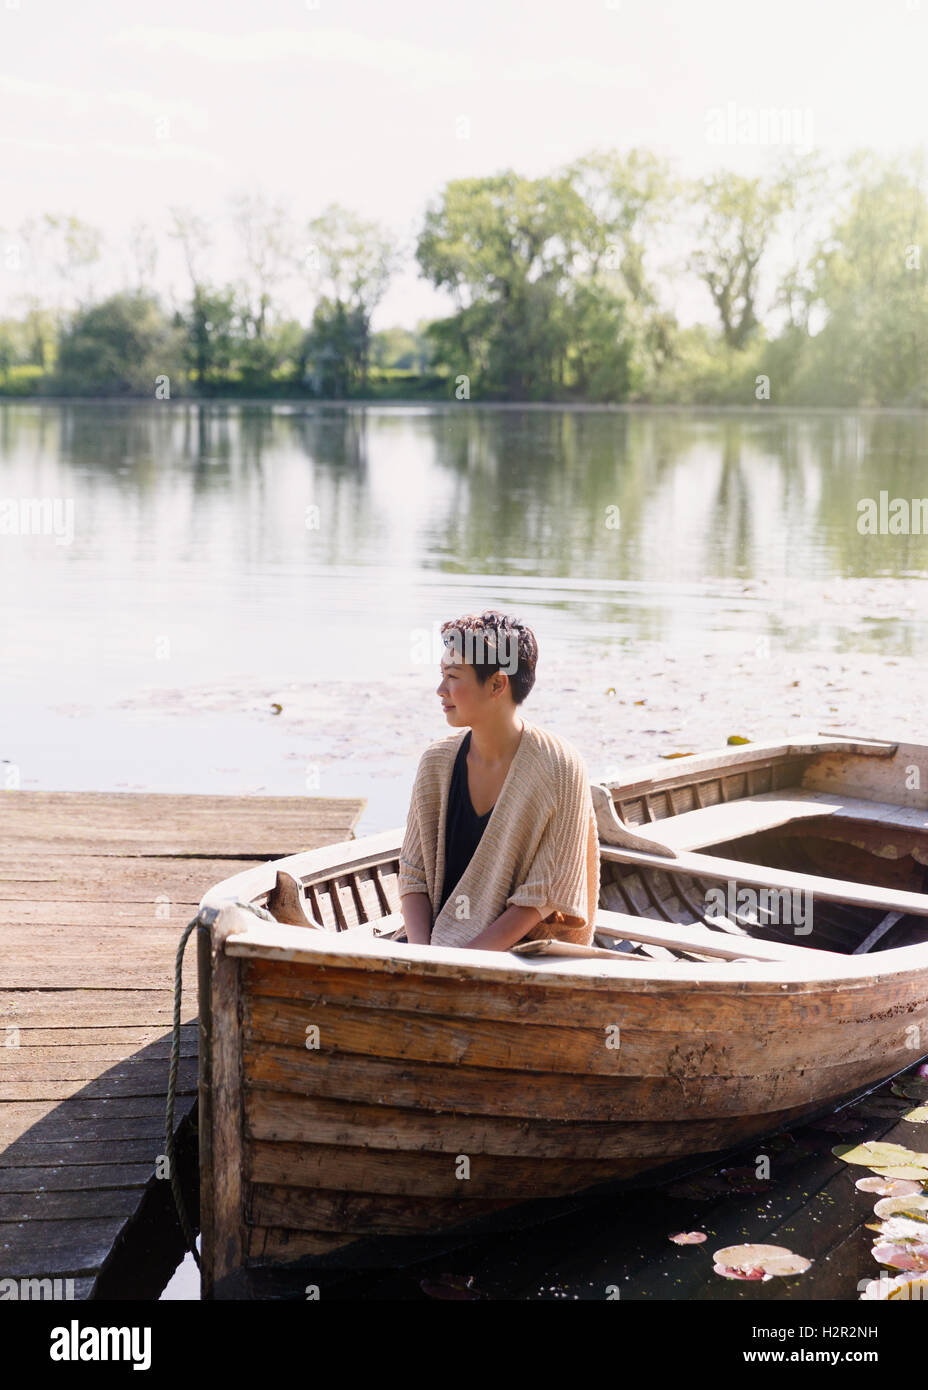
column 204, row 549
column 191, row 560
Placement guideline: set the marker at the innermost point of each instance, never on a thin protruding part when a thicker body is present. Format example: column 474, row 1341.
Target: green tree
column 399, row 349
column 505, row 247
column 118, row 347
column 209, row 326
column 871, row 290
column 349, row 263
column 738, row 217
column 337, row 349
column 268, row 245
column 629, row 198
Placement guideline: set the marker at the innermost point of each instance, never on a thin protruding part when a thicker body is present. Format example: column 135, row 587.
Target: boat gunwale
column 274, row 941
column 301, row 945
column 658, row 773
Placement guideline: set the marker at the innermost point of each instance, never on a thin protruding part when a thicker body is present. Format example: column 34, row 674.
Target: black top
column 463, row 827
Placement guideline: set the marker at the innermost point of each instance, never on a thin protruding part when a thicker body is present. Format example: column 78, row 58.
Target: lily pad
column 913, row 1203
column 769, row 1259
column 689, row 1238
column 903, row 1286
column 901, row 1257
column 878, row 1108
column 903, row 1229
column 911, row 1087
column 889, row 1187
column 887, row 1160
column 728, row 1273
column 906, row 1230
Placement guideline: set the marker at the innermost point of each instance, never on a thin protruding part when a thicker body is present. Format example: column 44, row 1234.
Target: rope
column 185, row 1225
column 189, row 1234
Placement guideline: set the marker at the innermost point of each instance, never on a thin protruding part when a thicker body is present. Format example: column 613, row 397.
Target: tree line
column 562, row 288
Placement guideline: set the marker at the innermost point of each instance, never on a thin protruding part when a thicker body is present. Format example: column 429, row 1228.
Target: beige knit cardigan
column 539, row 849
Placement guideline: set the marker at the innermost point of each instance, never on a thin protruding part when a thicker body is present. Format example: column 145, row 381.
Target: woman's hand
column 506, row 931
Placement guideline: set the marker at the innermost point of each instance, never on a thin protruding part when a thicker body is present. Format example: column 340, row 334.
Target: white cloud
column 158, row 152
column 334, row 47
column 75, row 101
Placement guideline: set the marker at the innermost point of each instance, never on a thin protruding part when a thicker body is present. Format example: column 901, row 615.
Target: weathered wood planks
column 94, row 892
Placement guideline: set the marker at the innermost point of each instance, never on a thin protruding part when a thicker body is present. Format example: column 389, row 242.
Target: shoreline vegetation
column 563, row 291
column 310, row 405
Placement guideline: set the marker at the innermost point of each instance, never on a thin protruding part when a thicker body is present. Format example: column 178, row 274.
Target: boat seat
column 719, row 870
column 729, row 820
column 621, row 926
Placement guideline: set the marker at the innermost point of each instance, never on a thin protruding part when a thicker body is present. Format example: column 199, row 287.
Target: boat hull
column 359, row 1095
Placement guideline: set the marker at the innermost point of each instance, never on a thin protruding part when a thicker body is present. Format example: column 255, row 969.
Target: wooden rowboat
column 358, row 1093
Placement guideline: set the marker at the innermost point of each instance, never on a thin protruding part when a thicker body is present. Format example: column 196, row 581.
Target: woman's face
column 463, row 698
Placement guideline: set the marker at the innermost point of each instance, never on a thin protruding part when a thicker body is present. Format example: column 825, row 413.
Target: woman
column 501, row 843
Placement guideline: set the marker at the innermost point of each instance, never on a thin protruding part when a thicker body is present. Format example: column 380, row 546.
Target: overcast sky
column 115, row 111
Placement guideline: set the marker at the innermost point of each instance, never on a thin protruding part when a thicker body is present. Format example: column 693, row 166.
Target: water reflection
column 309, row 541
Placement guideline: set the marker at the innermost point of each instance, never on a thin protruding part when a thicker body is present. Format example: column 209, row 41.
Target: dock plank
column 95, row 889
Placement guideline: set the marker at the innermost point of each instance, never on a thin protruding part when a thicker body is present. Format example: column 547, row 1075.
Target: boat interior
column 755, row 858
column 772, row 851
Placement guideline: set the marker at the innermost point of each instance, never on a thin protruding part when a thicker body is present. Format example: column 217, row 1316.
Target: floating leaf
column 878, row 1108
column 887, row 1160
column 899, row 1257
column 888, row 1187
column 903, row 1286
column 769, row 1259
column 638, row 702
column 913, row 1204
column 689, row 1238
column 736, row 738
column 676, row 755
column 900, row 1228
column 728, row 1273
column 912, row 1087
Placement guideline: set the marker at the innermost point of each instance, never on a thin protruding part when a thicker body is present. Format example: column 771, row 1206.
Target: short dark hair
column 497, row 642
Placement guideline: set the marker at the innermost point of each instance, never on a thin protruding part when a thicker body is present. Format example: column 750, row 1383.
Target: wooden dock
column 95, row 890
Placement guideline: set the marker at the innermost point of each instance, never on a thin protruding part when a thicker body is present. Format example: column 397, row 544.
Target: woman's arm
column 417, row 914
column 415, row 903
column 506, row 931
